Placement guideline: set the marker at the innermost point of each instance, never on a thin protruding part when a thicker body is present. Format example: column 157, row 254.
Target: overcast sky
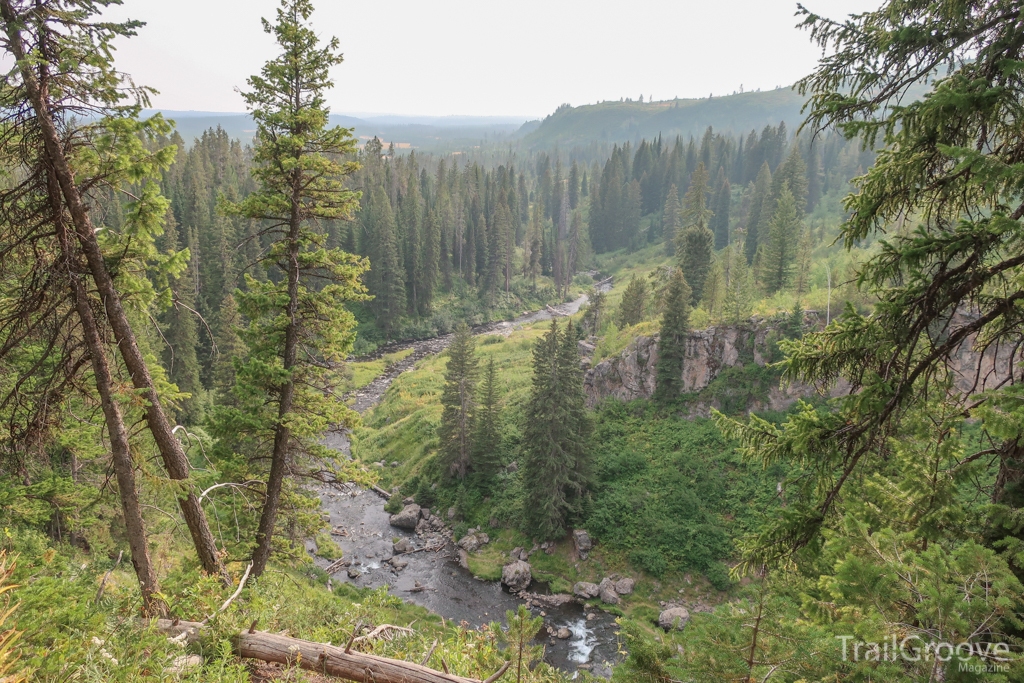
column 481, row 57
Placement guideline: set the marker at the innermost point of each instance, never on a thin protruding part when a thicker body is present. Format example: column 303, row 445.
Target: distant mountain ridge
column 429, row 132
column 617, row 122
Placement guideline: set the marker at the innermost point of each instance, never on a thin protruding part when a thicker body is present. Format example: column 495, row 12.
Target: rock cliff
column 710, row 352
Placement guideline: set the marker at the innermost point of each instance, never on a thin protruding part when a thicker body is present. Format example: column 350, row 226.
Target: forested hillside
column 700, row 390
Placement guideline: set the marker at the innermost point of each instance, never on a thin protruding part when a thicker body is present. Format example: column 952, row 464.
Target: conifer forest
column 717, row 389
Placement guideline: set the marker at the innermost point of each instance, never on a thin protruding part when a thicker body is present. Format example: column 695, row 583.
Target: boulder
column 353, row 573
column 586, row 590
column 583, row 543
column 515, row 553
column 473, row 542
column 451, row 513
column 563, row 633
column 606, row 591
column 402, row 546
column 399, row 563
column 674, row 618
column 625, row 586
column 425, row 513
column 407, row 518
column 517, row 575
column 463, row 559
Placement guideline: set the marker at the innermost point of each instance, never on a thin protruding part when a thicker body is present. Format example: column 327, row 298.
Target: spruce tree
column 781, row 248
column 455, row 433
column 231, row 350
column 739, row 286
column 670, row 215
column 694, row 252
column 633, row 303
column 761, row 191
column 675, row 324
column 720, row 221
column 556, row 461
column 299, row 328
column 487, row 432
column 386, row 278
column 694, row 241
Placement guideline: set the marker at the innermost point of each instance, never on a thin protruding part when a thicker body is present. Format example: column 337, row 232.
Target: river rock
column 463, row 559
column 399, row 563
column 607, row 593
column 407, row 518
column 583, row 543
column 517, row 575
column 425, row 513
column 674, row 617
column 625, row 586
column 586, row 590
column 451, row 513
column 553, row 601
column 353, row 573
column 473, row 542
column 402, row 546
column 563, row 633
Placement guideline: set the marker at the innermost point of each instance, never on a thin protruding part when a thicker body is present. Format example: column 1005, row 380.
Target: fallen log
column 327, row 659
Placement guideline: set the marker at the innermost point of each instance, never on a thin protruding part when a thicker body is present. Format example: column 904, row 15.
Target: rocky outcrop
column 473, row 542
column 581, row 539
column 606, row 591
column 625, row 586
column 586, row 590
column 674, row 618
column 631, row 374
column 517, row 576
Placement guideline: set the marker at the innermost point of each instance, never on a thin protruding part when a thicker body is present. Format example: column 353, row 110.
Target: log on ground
column 327, row 659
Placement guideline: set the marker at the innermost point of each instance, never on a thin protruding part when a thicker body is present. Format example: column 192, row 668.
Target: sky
column 481, row 57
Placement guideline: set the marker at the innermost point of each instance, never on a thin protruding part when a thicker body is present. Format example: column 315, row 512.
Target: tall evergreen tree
column 487, row 431
column 720, row 221
column 670, row 215
column 282, row 386
column 761, row 192
column 455, row 433
column 44, row 102
column 556, row 438
column 781, row 248
column 386, row 277
column 675, row 324
column 694, row 241
column 633, row 303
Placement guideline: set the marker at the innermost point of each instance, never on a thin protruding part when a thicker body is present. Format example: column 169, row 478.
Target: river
column 434, row 579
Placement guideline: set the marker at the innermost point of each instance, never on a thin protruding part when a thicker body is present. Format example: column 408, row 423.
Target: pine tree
column 694, row 242
column 182, row 341
column 670, row 216
column 591, row 322
column 694, row 251
column 761, row 191
column 386, row 278
column 804, row 252
column 534, row 247
column 455, row 433
column 556, row 462
column 231, row 350
column 428, row 261
column 720, row 221
column 296, row 157
column 738, row 298
column 633, row 303
column 781, row 248
column 672, row 339
column 487, row 432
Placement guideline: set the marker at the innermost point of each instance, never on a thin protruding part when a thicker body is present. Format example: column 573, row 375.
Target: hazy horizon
column 462, row 58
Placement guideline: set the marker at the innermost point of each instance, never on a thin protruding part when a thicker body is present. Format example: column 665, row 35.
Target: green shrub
column 394, row 504
column 718, row 576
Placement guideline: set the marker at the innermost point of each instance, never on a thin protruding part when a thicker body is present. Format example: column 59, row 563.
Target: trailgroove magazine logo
column 973, row 657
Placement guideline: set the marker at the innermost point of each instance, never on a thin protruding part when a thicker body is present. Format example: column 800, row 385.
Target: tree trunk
column 124, row 468
column 354, row 666
column 282, row 433
column 171, row 451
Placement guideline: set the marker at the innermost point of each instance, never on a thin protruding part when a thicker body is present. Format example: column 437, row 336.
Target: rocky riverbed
column 422, row 565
